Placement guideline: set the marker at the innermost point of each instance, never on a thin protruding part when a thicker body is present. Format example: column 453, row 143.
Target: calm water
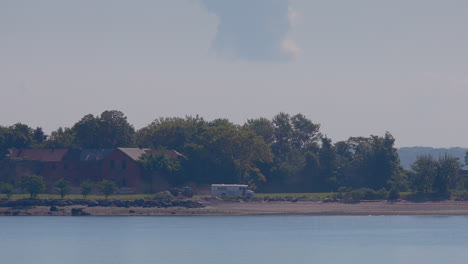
column 270, row 240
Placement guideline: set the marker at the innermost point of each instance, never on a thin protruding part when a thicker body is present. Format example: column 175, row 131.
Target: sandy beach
column 222, row 208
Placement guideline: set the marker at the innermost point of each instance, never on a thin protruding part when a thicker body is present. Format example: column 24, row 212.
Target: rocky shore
column 220, row 207
column 162, row 203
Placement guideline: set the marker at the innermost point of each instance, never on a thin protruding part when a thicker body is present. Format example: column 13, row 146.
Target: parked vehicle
column 231, row 189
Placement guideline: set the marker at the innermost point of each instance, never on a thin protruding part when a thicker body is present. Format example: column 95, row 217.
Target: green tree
column 86, row 188
column 447, row 176
column 158, row 163
column 87, row 131
column 328, row 166
column 114, row 130
column 109, row 130
column 16, row 136
column 311, row 177
column 293, row 137
column 172, row 132
column 61, row 138
column 374, row 162
column 262, row 127
column 218, row 151
column 435, row 176
column 107, row 187
column 7, row 189
column 424, row 171
column 38, row 137
column 63, row 187
column 33, row 184
column 232, row 154
column 21, row 136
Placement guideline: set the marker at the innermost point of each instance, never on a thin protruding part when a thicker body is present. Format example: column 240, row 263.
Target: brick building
column 78, row 165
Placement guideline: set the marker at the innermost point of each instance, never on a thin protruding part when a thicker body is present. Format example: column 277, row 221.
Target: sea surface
column 250, row 239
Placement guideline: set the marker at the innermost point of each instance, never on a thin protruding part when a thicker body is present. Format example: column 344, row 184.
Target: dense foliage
column 287, row 153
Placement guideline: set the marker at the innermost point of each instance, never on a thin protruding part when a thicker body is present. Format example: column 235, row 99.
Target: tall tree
column 423, row 175
column 172, row 133
column 87, row 132
column 262, row 127
column 328, row 166
column 293, row 137
column 447, row 176
column 61, row 138
column 38, row 136
column 114, row 130
column 374, row 162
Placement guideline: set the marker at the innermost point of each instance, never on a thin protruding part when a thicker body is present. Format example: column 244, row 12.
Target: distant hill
column 409, row 154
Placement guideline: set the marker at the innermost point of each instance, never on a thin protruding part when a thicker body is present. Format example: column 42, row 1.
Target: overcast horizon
column 357, row 68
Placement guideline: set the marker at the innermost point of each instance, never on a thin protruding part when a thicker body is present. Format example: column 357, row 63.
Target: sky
column 358, row 68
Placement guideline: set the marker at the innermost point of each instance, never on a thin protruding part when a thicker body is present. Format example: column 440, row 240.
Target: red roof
column 38, row 154
column 57, row 155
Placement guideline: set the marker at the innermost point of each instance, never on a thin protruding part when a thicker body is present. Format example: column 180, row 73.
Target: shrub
column 7, row 189
column 394, row 194
column 162, row 196
column 367, row 194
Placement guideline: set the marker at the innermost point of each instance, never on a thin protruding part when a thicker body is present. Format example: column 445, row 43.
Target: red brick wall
column 117, row 166
column 121, row 169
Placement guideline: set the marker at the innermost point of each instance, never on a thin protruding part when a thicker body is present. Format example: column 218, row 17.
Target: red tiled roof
column 38, row 154
column 56, row 155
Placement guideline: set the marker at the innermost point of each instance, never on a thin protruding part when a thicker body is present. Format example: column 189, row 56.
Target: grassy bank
column 299, row 196
column 90, row 197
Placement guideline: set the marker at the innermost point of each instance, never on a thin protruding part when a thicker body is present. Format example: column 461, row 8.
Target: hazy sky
column 356, row 67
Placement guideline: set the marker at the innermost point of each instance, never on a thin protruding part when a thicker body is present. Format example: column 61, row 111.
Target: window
column 124, row 164
column 112, row 164
column 53, row 166
column 65, row 166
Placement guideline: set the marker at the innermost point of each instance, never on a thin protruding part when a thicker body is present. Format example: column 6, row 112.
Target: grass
column 306, row 196
column 300, row 196
column 90, row 197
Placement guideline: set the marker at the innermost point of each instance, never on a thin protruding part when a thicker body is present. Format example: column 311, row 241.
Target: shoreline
column 222, row 208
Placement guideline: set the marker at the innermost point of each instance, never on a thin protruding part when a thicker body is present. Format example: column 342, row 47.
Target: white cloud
column 290, row 47
column 294, row 16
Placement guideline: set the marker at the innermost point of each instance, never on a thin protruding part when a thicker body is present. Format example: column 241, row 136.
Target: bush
column 460, row 195
column 394, row 194
column 163, row 195
column 7, row 189
column 366, row 194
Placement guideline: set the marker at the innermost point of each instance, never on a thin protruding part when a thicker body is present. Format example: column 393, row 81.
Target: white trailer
column 230, row 189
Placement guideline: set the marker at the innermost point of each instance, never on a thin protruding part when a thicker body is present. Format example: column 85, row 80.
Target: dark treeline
column 285, row 154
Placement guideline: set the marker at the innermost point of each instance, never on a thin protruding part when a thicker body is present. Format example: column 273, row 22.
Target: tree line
column 287, row 153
